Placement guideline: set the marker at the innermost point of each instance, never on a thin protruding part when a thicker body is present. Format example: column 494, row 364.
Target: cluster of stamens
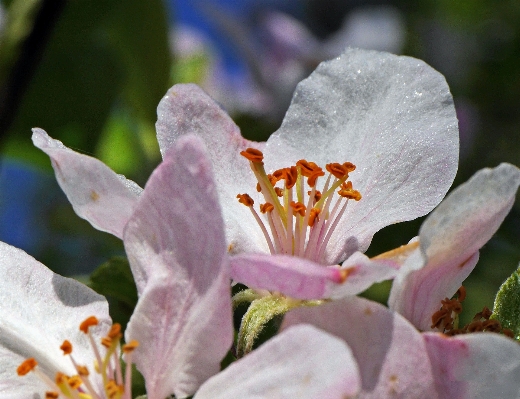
column 300, row 221
column 446, row 318
column 80, row 386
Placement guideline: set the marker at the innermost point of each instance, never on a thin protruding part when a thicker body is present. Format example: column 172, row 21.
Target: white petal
column 302, row 362
column 470, row 215
column 393, row 117
column 389, row 351
column 38, row 311
column 96, row 192
column 186, row 109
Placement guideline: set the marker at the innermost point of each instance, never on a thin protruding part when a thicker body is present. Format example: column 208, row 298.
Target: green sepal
column 244, row 296
column 507, row 304
column 259, row 314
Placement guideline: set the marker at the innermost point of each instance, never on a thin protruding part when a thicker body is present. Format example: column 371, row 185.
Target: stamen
column 446, row 318
column 66, row 347
column 27, row 366
column 245, row 199
column 253, row 155
column 79, row 386
column 87, row 323
column 299, row 226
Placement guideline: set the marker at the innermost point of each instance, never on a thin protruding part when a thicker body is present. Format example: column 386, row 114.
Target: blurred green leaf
column 114, row 278
column 138, row 33
column 507, row 304
column 100, row 53
column 19, row 21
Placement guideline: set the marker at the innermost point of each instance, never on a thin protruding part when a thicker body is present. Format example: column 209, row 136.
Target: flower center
column 299, row 220
column 446, row 318
column 80, row 386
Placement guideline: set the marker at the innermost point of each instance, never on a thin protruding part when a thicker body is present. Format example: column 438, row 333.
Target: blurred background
column 91, row 73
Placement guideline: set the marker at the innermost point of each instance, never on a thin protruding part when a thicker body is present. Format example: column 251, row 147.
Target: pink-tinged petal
column 96, row 192
column 186, row 109
column 417, row 290
column 176, row 248
column 475, row 366
column 302, row 362
column 390, row 352
column 359, row 273
column 38, row 311
column 449, row 242
column 293, row 276
column 393, row 117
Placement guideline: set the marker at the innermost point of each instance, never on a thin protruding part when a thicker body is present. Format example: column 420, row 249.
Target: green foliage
column 114, row 280
column 100, row 53
column 507, row 304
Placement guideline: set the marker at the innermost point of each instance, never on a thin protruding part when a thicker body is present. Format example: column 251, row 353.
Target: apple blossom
column 181, row 327
column 449, row 243
column 390, row 118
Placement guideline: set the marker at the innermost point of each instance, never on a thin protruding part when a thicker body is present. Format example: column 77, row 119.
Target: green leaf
column 507, row 304
column 114, row 278
column 99, row 54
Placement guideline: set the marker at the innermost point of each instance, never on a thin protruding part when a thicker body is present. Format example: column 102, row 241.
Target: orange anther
column 60, row 378
column 253, row 155
column 83, row 371
column 113, row 389
column 347, row 191
column 308, row 168
column 26, row 366
column 337, row 170
column 317, row 195
column 313, row 216
column 245, row 199
column 291, row 175
column 129, row 347
column 106, row 342
column 89, row 322
column 349, row 166
column 52, row 395
column 115, row 331
column 273, row 179
column 278, row 191
column 298, row 208
column 66, row 347
column 267, row 207
column 75, row 382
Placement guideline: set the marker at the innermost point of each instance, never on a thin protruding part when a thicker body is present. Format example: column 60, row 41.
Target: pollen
column 253, row 155
column 297, row 218
column 27, row 366
column 87, row 323
column 66, row 347
column 446, row 318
